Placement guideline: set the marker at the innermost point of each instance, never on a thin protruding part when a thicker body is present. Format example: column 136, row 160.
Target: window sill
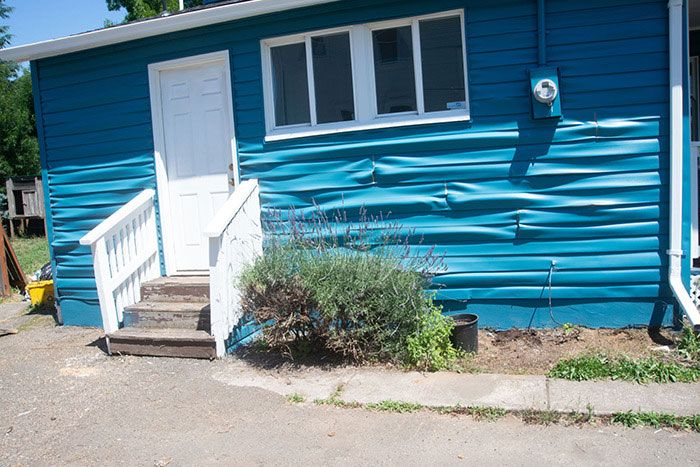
column 380, row 123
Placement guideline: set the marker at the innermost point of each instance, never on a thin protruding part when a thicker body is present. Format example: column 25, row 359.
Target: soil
column 516, row 351
column 533, row 351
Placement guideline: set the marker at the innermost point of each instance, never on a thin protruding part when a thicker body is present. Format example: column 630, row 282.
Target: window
column 398, row 72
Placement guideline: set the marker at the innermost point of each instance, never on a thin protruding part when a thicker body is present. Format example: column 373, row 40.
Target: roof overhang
column 151, row 27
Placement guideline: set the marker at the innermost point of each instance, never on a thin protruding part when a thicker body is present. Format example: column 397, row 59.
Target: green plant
column 540, row 417
column 394, row 406
column 486, row 413
column 689, row 345
column 295, row 398
column 582, row 368
column 642, row 370
column 429, row 347
column 359, row 292
column 657, row 420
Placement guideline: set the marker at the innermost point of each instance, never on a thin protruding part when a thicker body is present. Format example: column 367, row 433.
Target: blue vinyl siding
column 502, row 196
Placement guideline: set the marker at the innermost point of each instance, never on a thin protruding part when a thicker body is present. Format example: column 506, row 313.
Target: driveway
column 65, row 402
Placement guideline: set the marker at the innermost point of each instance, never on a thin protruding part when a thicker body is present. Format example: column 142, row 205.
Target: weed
column 569, row 328
column 657, row 420
column 394, row 406
column 430, row 348
column 540, row 417
column 689, row 345
column 490, row 414
column 335, row 400
column 296, row 398
column 642, row 370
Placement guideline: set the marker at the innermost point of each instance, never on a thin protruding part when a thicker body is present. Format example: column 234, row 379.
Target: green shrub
column 359, row 293
column 430, row 347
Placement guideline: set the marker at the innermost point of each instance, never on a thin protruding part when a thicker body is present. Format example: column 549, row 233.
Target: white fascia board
column 151, row 27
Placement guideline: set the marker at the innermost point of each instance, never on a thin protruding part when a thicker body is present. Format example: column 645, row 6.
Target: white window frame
column 367, row 116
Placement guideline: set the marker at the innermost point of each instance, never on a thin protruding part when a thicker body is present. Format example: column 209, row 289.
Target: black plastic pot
column 465, row 333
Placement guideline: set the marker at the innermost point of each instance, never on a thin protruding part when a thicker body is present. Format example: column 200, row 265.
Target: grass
column 296, row 398
column 657, row 420
column 32, row 253
column 641, row 370
column 394, row 406
column 530, row 417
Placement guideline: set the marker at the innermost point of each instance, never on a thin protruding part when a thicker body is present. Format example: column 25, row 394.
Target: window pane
column 333, row 78
column 443, row 64
column 393, row 70
column 291, row 88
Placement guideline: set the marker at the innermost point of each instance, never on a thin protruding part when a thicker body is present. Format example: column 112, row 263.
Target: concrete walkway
column 451, row 389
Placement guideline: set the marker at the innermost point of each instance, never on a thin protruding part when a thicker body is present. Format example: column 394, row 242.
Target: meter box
column 545, row 93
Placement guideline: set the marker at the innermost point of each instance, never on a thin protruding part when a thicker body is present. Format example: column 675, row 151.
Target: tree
column 139, row 9
column 19, row 150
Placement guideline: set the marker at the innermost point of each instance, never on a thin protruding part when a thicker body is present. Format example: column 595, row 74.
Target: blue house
column 544, row 146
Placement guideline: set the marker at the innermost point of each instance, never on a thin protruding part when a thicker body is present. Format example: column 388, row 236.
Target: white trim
column 694, row 236
column 151, row 27
column 677, row 59
column 364, row 82
column 382, row 122
column 154, row 70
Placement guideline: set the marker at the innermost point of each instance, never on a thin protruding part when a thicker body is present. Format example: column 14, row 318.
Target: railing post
column 110, row 320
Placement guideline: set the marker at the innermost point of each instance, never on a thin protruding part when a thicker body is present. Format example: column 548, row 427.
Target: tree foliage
column 139, row 9
column 19, row 150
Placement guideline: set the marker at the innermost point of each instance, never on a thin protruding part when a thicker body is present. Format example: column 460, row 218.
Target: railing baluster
column 124, row 248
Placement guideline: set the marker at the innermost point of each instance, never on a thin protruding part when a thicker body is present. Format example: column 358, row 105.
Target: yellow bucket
column 40, row 293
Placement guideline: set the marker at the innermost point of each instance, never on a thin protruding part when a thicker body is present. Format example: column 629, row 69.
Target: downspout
column 675, row 251
column 541, row 35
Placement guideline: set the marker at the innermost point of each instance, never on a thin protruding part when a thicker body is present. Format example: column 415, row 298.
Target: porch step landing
column 171, row 320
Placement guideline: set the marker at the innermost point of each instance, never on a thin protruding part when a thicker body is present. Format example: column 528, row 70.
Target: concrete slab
column 312, row 384
column 607, row 397
column 448, row 389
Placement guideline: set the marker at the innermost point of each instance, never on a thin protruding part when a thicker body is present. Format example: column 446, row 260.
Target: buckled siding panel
column 502, row 196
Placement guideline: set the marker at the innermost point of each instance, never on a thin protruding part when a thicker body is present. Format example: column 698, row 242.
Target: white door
column 199, row 159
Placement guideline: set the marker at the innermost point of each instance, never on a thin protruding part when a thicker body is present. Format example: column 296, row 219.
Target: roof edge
column 150, row 28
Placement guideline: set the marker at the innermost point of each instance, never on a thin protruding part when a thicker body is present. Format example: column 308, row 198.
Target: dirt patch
column 531, row 351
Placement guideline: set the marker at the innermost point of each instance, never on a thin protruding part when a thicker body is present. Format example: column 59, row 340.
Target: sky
column 39, row 20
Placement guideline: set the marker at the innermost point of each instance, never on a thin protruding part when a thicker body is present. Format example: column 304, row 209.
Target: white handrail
column 125, row 254
column 223, row 217
column 235, row 239
column 122, row 213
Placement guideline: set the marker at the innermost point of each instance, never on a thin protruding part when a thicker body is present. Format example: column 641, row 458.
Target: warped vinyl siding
column 502, row 196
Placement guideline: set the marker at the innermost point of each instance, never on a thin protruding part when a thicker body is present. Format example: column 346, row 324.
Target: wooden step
column 193, row 315
column 181, row 343
column 176, row 289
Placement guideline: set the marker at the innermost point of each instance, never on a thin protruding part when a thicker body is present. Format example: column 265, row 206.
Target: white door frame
column 154, row 70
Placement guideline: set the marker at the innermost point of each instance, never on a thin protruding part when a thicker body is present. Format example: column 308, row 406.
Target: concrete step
column 193, row 315
column 176, row 289
column 181, row 343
